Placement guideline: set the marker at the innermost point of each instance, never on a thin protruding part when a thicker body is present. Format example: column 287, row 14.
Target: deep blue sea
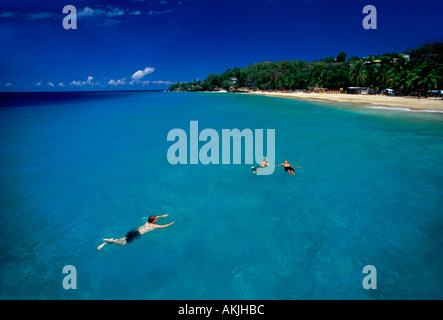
column 79, row 167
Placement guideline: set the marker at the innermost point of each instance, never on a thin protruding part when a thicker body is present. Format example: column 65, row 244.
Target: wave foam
column 403, row 109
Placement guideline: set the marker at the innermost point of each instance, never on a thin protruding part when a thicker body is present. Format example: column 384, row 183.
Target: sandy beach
column 412, row 103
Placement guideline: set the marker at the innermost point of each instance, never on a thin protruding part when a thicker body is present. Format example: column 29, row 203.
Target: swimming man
column 288, row 167
column 261, row 166
column 136, row 232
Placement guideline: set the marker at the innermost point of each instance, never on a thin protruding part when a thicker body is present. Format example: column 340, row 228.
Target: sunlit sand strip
column 432, row 104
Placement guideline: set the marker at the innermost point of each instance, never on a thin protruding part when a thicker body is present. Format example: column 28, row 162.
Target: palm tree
column 290, row 82
column 401, row 75
column 398, row 76
column 358, row 73
column 404, row 80
column 278, row 84
column 383, row 77
column 428, row 74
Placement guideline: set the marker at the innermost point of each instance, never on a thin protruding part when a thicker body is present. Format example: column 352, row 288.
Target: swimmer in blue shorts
column 261, row 166
column 135, row 233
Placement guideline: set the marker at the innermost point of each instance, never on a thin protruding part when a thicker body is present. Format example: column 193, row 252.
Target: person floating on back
column 135, row 233
column 288, row 167
column 261, row 166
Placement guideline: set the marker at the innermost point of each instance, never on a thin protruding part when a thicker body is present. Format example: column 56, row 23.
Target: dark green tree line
column 418, row 69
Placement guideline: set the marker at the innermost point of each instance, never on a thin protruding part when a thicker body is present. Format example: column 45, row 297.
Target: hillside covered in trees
column 419, row 69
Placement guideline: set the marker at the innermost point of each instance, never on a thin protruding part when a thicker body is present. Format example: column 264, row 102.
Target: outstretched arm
column 279, row 165
column 165, row 215
column 164, row 226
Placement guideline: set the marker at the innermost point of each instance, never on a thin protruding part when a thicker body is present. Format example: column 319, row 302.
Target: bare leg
column 120, row 242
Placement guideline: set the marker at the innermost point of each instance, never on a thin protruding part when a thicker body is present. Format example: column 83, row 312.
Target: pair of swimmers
column 288, row 167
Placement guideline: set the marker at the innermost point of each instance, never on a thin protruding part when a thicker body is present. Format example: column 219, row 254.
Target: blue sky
column 143, row 44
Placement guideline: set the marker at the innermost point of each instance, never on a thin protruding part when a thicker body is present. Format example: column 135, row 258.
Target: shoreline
column 432, row 104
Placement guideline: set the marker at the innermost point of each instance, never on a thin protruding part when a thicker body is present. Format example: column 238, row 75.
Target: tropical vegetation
column 416, row 70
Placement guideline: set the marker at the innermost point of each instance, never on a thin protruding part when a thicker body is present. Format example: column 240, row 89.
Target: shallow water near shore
column 77, row 169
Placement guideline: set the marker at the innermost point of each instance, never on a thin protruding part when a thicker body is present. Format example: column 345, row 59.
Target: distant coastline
column 410, row 80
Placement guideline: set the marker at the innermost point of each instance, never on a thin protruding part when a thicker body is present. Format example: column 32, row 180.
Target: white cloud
column 8, row 14
column 135, row 80
column 114, row 12
column 157, row 13
column 141, row 73
column 163, row 82
column 108, row 12
column 112, row 82
column 86, row 12
column 76, row 83
column 83, row 83
column 30, row 16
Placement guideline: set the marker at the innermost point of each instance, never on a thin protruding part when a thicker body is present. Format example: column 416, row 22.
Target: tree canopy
column 416, row 69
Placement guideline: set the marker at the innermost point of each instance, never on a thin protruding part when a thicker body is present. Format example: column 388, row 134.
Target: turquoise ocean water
column 77, row 168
